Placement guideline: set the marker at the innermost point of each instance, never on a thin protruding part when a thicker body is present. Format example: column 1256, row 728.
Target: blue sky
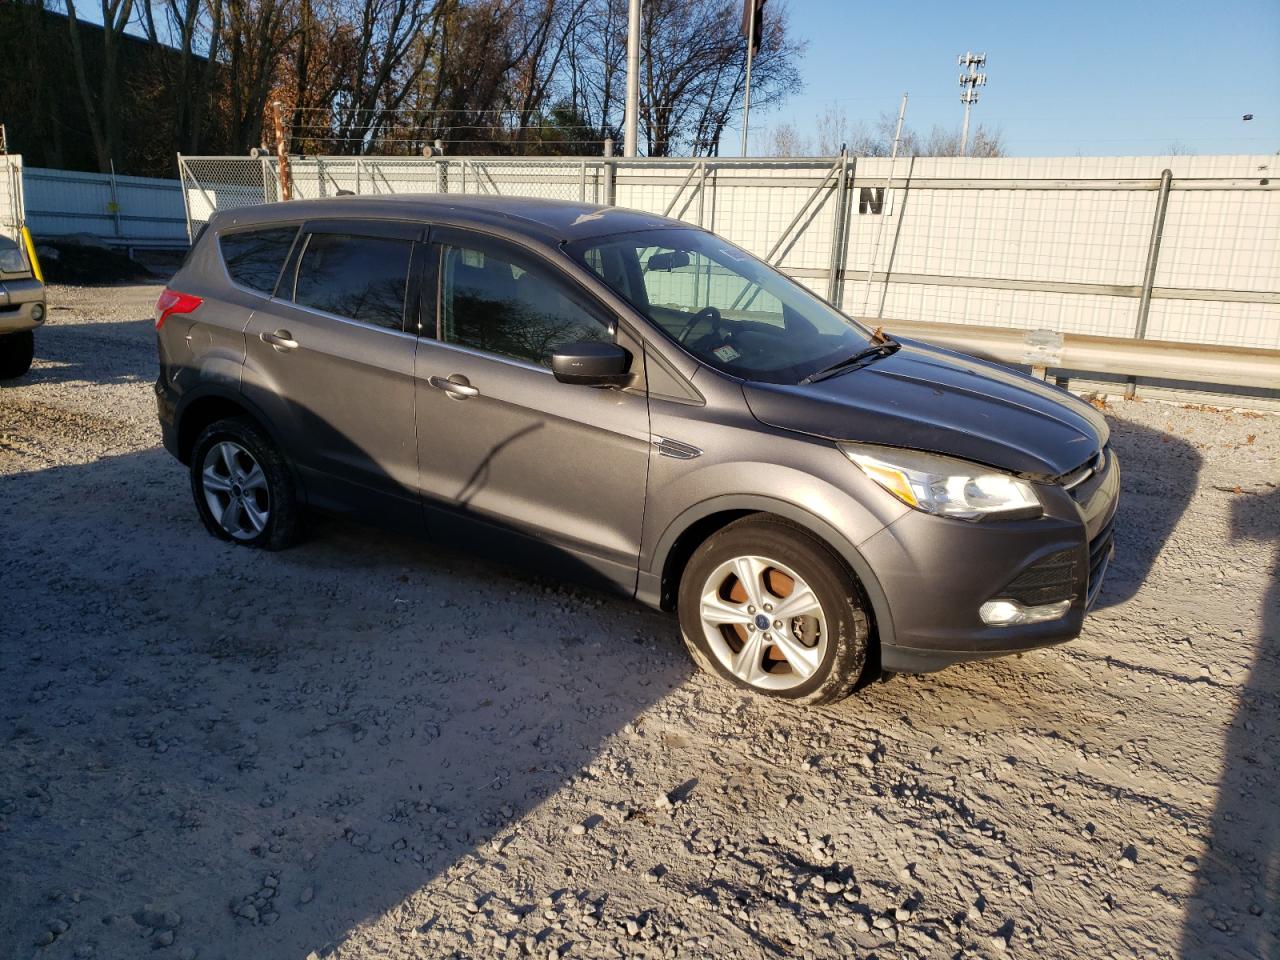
column 1123, row 77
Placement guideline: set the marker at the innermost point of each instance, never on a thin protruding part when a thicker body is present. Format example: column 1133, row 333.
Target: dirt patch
column 368, row 746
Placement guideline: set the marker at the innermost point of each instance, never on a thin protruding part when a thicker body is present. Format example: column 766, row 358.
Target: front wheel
column 17, row 350
column 242, row 486
column 768, row 606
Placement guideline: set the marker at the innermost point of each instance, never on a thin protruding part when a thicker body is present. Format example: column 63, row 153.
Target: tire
column 243, row 487
column 828, row 642
column 17, row 350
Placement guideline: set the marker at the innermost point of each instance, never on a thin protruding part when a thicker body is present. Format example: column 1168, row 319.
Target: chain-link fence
column 1104, row 246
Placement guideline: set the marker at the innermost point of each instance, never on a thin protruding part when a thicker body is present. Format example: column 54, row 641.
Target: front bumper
column 936, row 573
column 22, row 305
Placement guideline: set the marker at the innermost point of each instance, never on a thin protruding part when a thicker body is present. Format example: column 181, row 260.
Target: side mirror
column 592, row 363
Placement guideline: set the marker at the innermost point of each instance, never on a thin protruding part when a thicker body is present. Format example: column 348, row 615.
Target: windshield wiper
column 861, row 357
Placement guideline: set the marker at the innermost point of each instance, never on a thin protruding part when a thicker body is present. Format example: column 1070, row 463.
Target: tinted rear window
column 363, row 278
column 254, row 258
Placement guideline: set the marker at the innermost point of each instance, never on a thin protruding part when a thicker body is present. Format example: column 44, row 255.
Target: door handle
column 458, row 389
column 281, row 340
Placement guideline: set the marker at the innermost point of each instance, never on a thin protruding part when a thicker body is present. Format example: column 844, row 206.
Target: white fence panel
column 1028, row 243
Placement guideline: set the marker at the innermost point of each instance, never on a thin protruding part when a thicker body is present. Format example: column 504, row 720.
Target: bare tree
column 256, row 35
column 694, row 71
column 863, row 139
column 196, row 26
column 784, row 140
column 101, row 105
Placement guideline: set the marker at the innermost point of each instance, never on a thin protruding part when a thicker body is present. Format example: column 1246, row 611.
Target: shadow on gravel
column 1155, row 490
column 1241, row 872
column 75, row 351
column 277, row 748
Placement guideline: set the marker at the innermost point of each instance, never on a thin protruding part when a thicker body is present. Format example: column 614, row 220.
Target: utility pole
column 970, row 80
column 631, row 119
column 751, row 53
column 752, row 27
column 282, row 152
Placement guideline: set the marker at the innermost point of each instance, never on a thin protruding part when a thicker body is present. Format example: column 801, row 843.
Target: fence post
column 835, row 282
column 1153, row 259
column 186, row 199
column 115, row 198
column 1153, row 253
column 609, row 172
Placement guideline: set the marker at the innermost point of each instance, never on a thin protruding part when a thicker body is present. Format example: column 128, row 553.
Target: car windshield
column 727, row 308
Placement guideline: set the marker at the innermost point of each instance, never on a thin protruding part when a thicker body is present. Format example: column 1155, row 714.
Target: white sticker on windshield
column 726, row 353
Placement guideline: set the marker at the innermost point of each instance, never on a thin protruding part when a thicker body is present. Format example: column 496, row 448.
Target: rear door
column 330, row 362
column 508, row 454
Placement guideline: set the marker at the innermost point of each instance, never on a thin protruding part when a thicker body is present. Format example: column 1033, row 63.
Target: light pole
column 631, row 118
column 970, row 80
column 752, row 13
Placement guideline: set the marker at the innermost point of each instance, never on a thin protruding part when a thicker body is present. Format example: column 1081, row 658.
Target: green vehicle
column 22, row 304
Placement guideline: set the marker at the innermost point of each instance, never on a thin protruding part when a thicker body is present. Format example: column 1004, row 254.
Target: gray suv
column 637, row 403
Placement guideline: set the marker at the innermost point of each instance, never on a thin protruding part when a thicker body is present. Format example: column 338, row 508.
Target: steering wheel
column 709, row 312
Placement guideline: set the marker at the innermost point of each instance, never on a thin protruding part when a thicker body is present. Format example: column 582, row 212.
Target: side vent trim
column 675, row 449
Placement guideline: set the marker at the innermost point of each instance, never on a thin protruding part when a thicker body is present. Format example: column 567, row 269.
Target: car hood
column 927, row 398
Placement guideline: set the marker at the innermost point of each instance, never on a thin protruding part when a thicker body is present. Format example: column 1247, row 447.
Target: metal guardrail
column 1193, row 363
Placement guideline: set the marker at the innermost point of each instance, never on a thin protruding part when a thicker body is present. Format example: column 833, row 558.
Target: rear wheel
column 17, row 350
column 769, row 607
column 242, row 486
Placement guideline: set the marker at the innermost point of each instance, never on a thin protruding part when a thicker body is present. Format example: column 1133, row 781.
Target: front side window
column 363, row 278
column 729, row 309
column 509, row 306
column 254, row 258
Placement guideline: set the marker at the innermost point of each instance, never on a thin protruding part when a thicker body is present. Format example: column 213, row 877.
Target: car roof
column 552, row 221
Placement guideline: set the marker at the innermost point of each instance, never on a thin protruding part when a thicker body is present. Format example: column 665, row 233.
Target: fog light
column 37, row 312
column 1007, row 613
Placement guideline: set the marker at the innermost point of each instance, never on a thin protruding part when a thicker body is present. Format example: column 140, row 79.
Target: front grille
column 1099, row 555
column 1075, row 478
column 1048, row 580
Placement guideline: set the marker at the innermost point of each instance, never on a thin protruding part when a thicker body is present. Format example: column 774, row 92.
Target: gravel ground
column 368, row 747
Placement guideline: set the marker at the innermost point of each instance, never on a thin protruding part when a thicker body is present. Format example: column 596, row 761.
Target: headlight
column 946, row 487
column 11, row 259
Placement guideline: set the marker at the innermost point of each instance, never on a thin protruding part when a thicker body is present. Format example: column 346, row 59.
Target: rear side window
column 363, row 278
column 254, row 258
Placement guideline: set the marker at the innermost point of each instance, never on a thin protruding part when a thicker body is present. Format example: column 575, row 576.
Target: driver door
column 509, row 457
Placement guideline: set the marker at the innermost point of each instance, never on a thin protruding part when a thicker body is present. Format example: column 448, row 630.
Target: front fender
column 650, row 587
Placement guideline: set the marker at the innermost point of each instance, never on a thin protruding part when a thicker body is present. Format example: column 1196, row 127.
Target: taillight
column 171, row 302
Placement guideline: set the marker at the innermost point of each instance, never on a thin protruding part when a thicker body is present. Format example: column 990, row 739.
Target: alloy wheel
column 235, row 490
column 763, row 622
